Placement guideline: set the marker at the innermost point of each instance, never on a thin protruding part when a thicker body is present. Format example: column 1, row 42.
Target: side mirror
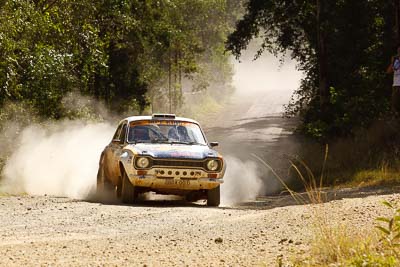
column 214, row 144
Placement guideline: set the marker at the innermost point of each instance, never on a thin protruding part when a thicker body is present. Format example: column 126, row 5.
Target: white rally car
column 163, row 154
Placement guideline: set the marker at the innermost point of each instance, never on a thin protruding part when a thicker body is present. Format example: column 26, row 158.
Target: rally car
column 164, row 154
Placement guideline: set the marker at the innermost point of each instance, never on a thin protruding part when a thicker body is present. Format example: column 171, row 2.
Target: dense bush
column 113, row 50
column 343, row 47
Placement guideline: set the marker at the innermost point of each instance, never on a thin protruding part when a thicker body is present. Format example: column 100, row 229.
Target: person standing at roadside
column 394, row 68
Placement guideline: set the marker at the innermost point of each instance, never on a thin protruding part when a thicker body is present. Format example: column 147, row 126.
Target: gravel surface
column 59, row 231
column 54, row 231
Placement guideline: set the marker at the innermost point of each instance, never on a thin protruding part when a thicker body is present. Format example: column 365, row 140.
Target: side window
column 122, row 136
column 117, row 132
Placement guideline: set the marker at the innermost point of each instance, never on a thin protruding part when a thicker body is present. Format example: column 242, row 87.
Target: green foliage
column 375, row 260
column 201, row 107
column 370, row 157
column 343, row 245
column 55, row 55
column 391, row 229
column 359, row 41
column 112, row 50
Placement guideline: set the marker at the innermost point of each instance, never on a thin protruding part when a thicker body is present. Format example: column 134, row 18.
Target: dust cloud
column 242, row 182
column 59, row 159
column 253, row 124
column 264, row 86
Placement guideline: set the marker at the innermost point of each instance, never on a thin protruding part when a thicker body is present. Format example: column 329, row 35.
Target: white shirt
column 396, row 72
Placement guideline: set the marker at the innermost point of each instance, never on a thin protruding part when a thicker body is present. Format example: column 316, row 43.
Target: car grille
column 178, row 163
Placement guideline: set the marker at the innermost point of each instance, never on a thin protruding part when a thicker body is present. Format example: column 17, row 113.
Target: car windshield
column 173, row 132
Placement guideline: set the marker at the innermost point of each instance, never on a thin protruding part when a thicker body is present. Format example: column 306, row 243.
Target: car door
column 115, row 150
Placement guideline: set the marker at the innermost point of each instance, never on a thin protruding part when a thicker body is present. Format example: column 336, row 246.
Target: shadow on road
column 153, row 201
column 328, row 195
column 261, row 203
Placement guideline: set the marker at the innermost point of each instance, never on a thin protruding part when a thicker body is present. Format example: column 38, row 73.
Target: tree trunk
column 397, row 21
column 180, row 75
column 322, row 56
column 170, row 81
column 177, row 97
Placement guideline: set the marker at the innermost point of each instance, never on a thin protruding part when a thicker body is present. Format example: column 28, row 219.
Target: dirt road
column 52, row 231
column 59, row 231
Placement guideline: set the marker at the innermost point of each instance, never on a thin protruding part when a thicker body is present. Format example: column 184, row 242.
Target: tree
column 397, row 19
column 114, row 50
column 322, row 57
column 341, row 46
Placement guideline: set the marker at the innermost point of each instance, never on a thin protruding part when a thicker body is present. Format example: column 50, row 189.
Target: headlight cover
column 213, row 165
column 142, row 162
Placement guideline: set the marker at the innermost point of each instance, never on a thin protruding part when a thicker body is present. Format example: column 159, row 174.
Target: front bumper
column 182, row 179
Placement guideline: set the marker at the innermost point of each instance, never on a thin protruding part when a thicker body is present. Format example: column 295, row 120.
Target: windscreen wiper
column 160, row 141
column 196, row 143
column 179, row 142
column 186, row 143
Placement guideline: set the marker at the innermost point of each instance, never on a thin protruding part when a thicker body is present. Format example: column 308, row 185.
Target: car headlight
column 142, row 163
column 213, row 165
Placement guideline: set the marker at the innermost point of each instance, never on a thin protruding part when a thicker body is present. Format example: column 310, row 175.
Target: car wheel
column 119, row 188
column 213, row 197
column 104, row 186
column 128, row 192
column 191, row 198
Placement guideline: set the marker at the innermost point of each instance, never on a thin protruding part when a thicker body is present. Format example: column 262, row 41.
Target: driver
column 183, row 134
column 172, row 134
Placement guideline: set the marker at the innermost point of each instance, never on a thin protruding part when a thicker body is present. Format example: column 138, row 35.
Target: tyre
column 192, row 197
column 119, row 188
column 213, row 197
column 104, row 186
column 128, row 191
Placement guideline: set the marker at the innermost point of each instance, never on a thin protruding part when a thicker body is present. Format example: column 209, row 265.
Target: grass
column 203, row 108
column 3, row 192
column 346, row 245
column 312, row 185
column 383, row 176
column 339, row 244
column 342, row 245
column 4, row 195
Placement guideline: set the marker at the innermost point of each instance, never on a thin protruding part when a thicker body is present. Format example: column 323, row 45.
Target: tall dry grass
column 370, row 156
column 311, row 184
column 335, row 243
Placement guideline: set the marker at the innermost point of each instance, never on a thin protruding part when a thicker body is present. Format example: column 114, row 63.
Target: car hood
column 175, row 151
